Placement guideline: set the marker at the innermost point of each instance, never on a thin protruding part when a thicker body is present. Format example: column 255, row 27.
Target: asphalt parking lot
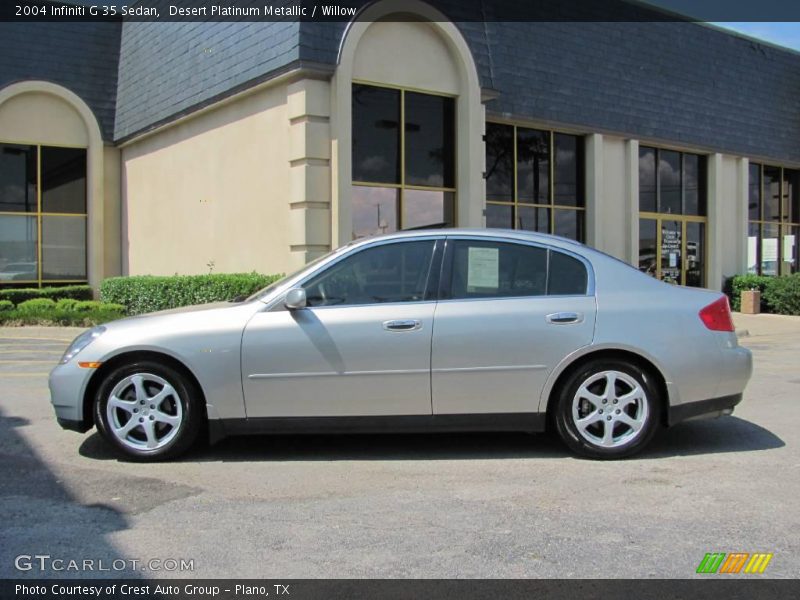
column 448, row 506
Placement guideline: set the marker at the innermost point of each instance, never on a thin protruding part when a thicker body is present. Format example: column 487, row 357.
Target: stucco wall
column 212, row 189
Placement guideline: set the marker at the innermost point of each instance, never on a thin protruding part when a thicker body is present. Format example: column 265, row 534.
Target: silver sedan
column 456, row 330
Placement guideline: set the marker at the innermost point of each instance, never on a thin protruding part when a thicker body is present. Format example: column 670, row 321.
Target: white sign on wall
column 769, row 250
column 788, row 248
column 752, row 256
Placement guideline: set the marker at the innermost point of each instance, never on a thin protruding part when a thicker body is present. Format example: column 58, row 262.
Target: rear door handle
column 563, row 318
column 402, row 325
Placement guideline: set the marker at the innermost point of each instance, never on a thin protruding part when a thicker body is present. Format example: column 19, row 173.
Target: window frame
column 702, row 180
column 681, row 217
column 439, row 270
column 551, row 206
column 783, row 222
column 39, row 215
column 446, row 275
column 402, row 186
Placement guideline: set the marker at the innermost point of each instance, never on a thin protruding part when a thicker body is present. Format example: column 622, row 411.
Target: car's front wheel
column 607, row 409
column 148, row 411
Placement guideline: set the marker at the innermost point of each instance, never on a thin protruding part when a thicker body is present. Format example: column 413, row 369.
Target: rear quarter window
column 567, row 276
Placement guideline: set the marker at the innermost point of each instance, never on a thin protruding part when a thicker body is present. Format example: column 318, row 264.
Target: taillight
column 717, row 315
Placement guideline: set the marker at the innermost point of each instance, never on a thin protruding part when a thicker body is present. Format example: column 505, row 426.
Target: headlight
column 80, row 342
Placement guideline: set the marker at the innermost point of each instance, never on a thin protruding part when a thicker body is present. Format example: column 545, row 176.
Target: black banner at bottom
column 712, row 587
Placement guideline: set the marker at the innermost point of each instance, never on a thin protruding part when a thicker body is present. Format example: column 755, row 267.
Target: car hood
column 194, row 335
column 188, row 309
column 161, row 328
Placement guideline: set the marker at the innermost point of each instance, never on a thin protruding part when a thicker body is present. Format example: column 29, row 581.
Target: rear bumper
column 714, row 407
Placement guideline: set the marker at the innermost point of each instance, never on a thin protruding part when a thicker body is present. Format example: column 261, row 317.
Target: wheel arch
column 622, row 354
column 131, row 356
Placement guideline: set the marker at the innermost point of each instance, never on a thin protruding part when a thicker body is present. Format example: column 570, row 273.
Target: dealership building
column 134, row 147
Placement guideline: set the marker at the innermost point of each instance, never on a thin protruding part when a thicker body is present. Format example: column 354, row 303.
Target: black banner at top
column 348, row 10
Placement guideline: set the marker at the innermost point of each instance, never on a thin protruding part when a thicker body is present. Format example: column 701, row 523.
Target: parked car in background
column 19, row 271
column 430, row 330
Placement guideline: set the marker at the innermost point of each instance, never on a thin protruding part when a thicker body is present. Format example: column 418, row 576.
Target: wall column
column 594, row 190
column 112, row 228
column 742, row 201
column 715, row 235
column 632, row 200
column 310, row 171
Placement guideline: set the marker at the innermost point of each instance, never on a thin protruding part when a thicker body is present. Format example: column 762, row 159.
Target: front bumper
column 67, row 387
column 69, row 425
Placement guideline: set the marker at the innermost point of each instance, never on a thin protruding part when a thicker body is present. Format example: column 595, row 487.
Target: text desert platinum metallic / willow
column 255, row 11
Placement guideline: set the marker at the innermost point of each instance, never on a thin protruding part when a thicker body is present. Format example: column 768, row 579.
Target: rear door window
column 489, row 269
column 484, row 269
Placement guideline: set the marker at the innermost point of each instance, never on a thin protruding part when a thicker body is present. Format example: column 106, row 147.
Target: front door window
column 396, row 272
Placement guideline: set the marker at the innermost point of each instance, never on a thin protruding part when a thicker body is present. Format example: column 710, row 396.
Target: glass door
column 672, row 249
column 694, row 265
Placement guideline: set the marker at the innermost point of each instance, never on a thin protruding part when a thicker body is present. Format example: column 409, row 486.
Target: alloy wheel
column 144, row 412
column 610, row 409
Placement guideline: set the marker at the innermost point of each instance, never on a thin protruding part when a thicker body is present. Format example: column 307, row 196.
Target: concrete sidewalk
column 765, row 324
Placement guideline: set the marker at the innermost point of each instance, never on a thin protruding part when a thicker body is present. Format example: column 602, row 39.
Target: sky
column 738, row 15
column 785, row 34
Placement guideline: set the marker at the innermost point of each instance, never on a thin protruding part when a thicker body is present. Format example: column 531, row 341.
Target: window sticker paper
column 483, row 270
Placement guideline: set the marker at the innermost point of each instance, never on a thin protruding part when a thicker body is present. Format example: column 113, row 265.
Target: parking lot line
column 49, row 347
column 39, row 339
column 2, row 375
column 28, row 351
column 23, row 361
column 44, row 346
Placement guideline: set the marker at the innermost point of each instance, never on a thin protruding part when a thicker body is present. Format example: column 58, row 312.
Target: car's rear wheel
column 148, row 411
column 607, row 409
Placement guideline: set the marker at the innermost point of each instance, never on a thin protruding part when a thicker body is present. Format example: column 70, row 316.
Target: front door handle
column 563, row 318
column 402, row 325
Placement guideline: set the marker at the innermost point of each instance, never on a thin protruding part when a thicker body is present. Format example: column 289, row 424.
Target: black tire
column 186, row 404
column 589, row 443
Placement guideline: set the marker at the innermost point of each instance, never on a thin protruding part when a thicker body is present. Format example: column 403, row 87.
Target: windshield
column 275, row 284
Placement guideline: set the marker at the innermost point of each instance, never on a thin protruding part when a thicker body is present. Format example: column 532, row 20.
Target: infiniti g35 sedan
column 445, row 330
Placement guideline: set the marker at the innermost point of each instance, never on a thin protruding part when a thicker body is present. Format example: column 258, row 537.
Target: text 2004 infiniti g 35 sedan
column 417, row 331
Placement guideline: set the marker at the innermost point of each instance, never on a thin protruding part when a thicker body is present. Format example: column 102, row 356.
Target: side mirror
column 295, row 299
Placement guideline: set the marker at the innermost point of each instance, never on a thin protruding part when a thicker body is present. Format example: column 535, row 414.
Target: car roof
column 511, row 234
